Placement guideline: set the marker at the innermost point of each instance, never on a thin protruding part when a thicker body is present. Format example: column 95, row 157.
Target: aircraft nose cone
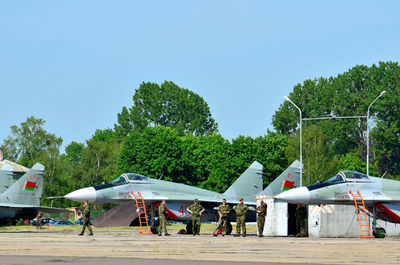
column 298, row 195
column 82, row 195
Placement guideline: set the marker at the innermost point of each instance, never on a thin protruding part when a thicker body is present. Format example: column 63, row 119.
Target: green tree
column 167, row 105
column 29, row 142
column 318, row 159
column 210, row 162
column 269, row 150
column 350, row 94
column 74, row 152
column 271, row 154
column 156, row 152
column 99, row 158
column 353, row 162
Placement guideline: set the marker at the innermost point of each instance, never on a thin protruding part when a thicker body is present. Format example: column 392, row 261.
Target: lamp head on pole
column 287, row 99
column 382, row 93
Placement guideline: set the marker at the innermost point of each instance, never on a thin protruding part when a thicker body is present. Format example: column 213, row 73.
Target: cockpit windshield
column 339, row 178
column 120, row 180
column 336, row 179
column 134, row 176
column 124, row 179
column 352, row 175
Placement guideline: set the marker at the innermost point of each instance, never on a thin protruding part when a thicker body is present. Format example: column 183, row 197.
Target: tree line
column 169, row 133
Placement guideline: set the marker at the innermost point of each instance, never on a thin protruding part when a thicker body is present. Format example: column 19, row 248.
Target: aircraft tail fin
column 288, row 179
column 249, row 184
column 6, row 177
column 27, row 190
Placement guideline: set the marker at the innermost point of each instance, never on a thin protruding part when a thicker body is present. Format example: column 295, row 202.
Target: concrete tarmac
column 129, row 247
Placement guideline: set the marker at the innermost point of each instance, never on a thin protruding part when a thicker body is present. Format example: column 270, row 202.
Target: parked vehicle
column 60, row 223
column 45, row 221
column 80, row 221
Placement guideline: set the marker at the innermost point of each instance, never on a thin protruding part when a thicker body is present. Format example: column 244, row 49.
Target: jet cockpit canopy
column 120, row 180
column 135, row 177
column 124, row 179
column 341, row 177
column 353, row 176
column 116, row 182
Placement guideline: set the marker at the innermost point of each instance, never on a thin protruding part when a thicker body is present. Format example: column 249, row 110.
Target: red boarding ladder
column 142, row 214
column 361, row 215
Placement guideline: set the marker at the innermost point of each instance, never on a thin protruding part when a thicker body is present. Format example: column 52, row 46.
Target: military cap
column 196, row 200
column 241, row 199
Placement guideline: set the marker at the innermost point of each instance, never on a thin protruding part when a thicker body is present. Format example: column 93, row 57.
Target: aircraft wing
column 176, row 196
column 38, row 208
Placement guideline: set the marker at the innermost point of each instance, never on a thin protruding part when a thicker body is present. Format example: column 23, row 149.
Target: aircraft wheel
column 228, row 228
column 380, row 233
column 189, row 228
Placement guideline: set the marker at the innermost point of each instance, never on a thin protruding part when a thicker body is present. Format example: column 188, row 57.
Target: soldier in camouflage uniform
column 86, row 219
column 241, row 209
column 261, row 213
column 301, row 216
column 223, row 211
column 162, row 218
column 196, row 210
column 39, row 221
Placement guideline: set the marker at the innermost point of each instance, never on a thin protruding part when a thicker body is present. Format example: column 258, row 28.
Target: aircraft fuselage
column 383, row 194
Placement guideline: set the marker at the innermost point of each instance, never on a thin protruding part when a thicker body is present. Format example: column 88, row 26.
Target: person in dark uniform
column 241, row 210
column 223, row 211
column 39, row 220
column 86, row 219
column 162, row 218
column 301, row 215
column 196, row 210
column 261, row 213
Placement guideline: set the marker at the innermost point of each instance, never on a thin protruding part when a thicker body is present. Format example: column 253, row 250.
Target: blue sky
column 75, row 64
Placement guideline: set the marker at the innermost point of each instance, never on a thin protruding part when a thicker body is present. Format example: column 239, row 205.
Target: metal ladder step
column 361, row 214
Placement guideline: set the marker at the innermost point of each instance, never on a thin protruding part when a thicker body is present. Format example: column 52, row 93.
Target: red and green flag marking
column 29, row 185
column 287, row 185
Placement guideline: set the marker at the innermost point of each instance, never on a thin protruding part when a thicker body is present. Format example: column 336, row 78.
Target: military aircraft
column 381, row 196
column 22, row 199
column 180, row 196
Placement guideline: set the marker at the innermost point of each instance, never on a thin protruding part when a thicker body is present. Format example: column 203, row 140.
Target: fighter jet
column 381, row 196
column 180, row 196
column 22, row 199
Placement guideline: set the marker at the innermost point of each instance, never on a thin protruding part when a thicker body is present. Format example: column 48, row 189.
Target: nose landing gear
column 379, row 232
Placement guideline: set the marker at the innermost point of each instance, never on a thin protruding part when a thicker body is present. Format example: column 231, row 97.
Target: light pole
column 301, row 142
column 382, row 94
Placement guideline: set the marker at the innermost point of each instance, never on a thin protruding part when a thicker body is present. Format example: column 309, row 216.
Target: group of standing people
column 223, row 210
column 196, row 210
